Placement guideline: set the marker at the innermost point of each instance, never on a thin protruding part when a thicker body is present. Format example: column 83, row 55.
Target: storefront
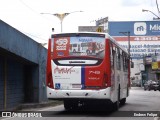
column 152, row 67
column 156, row 70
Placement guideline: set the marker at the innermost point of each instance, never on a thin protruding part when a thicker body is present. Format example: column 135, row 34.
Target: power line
column 29, row 34
column 33, row 10
column 28, row 7
column 34, row 36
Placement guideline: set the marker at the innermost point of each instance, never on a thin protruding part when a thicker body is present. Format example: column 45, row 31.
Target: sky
column 25, row 15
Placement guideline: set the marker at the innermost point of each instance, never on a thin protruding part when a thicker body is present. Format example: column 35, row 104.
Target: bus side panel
column 49, row 80
column 112, row 71
column 108, row 62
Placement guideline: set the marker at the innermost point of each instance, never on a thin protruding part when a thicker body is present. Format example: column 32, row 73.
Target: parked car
column 152, row 85
column 159, row 85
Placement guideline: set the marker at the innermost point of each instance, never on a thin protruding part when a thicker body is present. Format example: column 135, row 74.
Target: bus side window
column 125, row 63
column 112, row 52
column 118, row 59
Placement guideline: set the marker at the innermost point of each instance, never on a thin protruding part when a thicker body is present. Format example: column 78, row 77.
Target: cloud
column 25, row 15
column 129, row 3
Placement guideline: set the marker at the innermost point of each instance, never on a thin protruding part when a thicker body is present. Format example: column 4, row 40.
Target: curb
column 43, row 104
column 29, row 106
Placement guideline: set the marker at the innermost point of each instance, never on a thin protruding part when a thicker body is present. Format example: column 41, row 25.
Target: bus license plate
column 76, row 86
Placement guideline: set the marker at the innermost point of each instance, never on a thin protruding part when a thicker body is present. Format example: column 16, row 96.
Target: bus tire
column 123, row 101
column 117, row 103
column 70, row 104
column 67, row 105
column 127, row 90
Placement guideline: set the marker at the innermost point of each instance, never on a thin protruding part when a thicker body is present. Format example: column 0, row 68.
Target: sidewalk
column 30, row 106
column 137, row 88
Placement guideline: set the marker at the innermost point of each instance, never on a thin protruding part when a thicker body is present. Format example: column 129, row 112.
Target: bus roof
column 115, row 42
column 93, row 33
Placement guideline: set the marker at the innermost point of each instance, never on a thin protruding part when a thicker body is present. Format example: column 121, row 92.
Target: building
column 22, row 69
column 144, row 41
column 152, row 67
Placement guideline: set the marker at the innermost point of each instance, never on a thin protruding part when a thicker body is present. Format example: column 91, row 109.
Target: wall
column 26, row 68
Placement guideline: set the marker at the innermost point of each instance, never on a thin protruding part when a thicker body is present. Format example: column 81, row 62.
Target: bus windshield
column 88, row 45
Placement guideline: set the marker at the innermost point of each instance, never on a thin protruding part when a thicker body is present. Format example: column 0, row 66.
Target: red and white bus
column 80, row 78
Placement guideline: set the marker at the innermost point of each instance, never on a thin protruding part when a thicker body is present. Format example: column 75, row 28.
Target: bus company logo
column 61, row 44
column 140, row 28
column 64, row 70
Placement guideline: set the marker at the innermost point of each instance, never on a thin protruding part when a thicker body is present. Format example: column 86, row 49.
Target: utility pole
column 127, row 34
column 157, row 16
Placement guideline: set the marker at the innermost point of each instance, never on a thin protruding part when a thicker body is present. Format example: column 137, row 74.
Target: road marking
column 47, row 109
column 7, row 118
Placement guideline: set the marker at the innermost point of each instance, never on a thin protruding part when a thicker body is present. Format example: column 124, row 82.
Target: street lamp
column 61, row 16
column 143, row 10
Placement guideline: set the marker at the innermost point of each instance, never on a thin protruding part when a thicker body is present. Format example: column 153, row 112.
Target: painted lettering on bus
column 85, row 40
column 94, row 72
column 64, row 70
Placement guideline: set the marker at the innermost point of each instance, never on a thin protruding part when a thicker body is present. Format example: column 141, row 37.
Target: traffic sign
column 99, row 29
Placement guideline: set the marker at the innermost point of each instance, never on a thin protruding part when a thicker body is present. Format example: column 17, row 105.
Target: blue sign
column 136, row 28
column 57, row 85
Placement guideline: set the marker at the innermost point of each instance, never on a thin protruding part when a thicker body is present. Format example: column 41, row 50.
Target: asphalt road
column 140, row 102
